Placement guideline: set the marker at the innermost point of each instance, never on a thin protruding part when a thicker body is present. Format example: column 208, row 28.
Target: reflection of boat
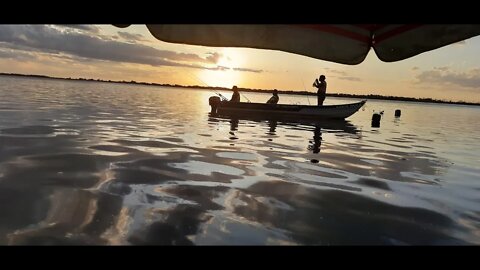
column 317, row 140
column 302, row 124
column 285, row 110
column 318, row 127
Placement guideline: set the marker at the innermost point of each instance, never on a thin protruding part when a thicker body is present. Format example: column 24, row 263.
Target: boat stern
column 214, row 101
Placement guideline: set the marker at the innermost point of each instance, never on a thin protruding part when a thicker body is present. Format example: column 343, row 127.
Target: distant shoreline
column 289, row 92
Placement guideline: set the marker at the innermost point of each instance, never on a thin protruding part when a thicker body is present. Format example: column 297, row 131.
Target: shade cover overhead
column 340, row 43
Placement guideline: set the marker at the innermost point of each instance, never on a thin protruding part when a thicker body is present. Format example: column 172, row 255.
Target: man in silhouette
column 235, row 95
column 321, row 84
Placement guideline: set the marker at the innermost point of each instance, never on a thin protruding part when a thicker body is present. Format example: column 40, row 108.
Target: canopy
column 341, row 43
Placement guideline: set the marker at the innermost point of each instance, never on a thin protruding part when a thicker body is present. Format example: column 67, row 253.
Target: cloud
column 442, row 68
column 133, row 37
column 16, row 55
column 350, row 78
column 88, row 28
column 444, row 76
column 28, row 41
column 339, row 72
column 222, row 68
column 248, row 70
column 214, row 57
column 46, row 39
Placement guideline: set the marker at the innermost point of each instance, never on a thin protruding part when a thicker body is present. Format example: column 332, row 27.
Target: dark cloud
column 248, row 70
column 134, row 37
column 222, row 68
column 47, row 39
column 444, row 76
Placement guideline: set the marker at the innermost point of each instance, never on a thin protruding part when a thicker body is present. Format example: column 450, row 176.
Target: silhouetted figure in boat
column 321, row 84
column 235, row 95
column 274, row 99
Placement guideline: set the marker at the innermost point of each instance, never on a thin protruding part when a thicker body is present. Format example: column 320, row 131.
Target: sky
column 111, row 53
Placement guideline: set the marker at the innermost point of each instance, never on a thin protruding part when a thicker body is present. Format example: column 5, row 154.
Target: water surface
column 108, row 164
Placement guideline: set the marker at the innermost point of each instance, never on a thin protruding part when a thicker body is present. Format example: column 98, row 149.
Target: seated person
column 274, row 99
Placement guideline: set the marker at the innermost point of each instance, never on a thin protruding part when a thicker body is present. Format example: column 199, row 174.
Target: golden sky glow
column 132, row 53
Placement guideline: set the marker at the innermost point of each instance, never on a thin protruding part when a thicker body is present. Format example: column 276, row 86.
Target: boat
column 341, row 111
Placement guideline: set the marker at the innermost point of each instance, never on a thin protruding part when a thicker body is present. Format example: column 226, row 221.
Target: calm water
column 97, row 163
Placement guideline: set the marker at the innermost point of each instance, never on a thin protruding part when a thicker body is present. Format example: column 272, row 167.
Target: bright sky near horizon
column 111, row 53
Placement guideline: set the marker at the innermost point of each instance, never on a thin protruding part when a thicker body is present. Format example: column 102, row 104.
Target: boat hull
column 285, row 110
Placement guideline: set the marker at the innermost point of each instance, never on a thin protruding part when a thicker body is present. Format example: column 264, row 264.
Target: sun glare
column 220, row 78
column 224, row 73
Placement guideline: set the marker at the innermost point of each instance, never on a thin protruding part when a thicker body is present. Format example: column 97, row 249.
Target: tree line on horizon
column 289, row 92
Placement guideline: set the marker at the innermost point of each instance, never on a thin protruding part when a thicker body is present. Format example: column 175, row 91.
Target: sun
column 225, row 75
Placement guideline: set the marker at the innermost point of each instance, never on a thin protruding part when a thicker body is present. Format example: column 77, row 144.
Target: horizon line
column 290, row 92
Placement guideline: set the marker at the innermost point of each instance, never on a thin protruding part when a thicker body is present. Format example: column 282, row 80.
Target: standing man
column 321, row 84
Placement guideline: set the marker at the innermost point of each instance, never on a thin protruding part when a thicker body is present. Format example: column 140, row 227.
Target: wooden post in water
column 376, row 117
column 398, row 113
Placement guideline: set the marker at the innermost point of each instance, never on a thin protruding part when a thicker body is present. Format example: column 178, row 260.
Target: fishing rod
column 245, row 97
column 306, row 91
column 221, row 96
column 219, row 93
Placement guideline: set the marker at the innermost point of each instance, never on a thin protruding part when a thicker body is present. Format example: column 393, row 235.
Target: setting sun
column 219, row 78
column 227, row 71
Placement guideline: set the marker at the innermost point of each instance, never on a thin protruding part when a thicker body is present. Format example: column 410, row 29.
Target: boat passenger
column 235, row 95
column 274, row 99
